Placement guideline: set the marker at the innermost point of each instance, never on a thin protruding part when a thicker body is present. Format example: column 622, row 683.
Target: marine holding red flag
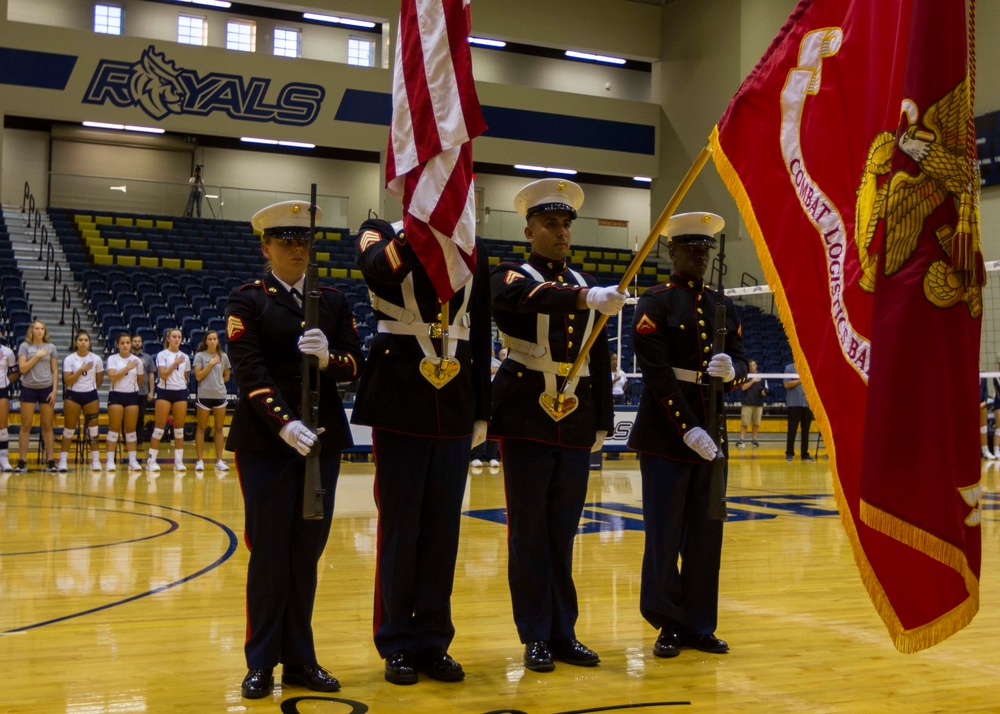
column 426, row 388
column 850, row 150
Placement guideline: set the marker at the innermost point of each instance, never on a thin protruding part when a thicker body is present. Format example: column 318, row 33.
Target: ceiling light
column 642, row 179
column 123, row 189
column 145, row 129
column 547, row 169
column 255, row 140
column 103, row 125
column 333, row 20
column 123, row 127
column 486, row 42
column 297, row 144
column 594, row 58
column 528, row 167
column 568, row 172
column 209, row 3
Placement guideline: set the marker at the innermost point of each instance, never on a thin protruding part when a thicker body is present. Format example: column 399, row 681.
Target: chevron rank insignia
column 368, row 239
column 234, row 328
column 645, row 325
column 511, row 276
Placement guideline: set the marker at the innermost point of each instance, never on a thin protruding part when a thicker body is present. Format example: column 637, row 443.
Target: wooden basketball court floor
column 123, row 593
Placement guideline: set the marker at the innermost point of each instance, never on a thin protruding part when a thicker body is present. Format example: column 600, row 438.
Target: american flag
column 435, row 117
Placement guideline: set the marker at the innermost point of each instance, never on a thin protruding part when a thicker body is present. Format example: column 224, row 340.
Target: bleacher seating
column 146, row 273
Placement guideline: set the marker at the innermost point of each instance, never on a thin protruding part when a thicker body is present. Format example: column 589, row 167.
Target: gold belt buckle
column 564, row 368
column 434, row 330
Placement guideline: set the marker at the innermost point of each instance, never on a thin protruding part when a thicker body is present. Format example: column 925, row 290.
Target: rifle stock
column 312, row 492
column 716, row 421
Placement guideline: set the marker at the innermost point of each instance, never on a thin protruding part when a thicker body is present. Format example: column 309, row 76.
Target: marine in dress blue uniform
column 422, row 434
column 546, row 310
column 264, row 325
column 672, row 334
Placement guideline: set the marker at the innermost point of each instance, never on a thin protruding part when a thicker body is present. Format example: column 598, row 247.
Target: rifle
column 716, row 421
column 312, row 492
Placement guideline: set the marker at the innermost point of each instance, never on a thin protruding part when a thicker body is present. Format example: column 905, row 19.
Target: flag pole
column 556, row 407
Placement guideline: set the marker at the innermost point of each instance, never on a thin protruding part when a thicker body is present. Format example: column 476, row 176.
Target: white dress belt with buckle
column 541, row 364
column 517, row 344
column 422, row 329
column 688, row 375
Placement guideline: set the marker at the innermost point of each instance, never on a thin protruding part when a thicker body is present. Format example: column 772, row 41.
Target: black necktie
column 297, row 296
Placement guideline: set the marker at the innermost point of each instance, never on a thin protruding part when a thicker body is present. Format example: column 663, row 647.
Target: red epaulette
column 254, row 284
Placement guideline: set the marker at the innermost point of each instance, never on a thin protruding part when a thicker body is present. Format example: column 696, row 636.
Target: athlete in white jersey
column 128, row 380
column 83, row 373
column 173, row 368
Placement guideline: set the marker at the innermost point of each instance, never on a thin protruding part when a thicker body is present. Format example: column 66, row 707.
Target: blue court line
column 212, row 566
column 173, row 525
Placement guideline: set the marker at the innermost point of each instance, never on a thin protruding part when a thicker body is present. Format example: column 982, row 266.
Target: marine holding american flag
column 547, row 311
column 425, row 392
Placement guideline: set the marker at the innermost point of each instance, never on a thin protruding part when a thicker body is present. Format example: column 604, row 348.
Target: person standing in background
column 128, row 379
column 148, row 386
column 8, row 373
column 752, row 409
column 173, row 368
column 212, row 369
column 83, row 373
column 798, row 414
column 619, row 382
column 38, row 363
column 264, row 326
column 196, row 195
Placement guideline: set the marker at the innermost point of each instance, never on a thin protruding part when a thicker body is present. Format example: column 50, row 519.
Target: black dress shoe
column 438, row 664
column 257, row 683
column 574, row 652
column 667, row 644
column 705, row 643
column 538, row 657
column 311, row 676
column 401, row 668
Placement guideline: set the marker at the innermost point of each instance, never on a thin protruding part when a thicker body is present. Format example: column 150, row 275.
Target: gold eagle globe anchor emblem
column 905, row 201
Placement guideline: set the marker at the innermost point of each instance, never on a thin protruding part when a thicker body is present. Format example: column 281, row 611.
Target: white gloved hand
column 721, row 365
column 313, row 342
column 701, row 443
column 607, row 300
column 478, row 432
column 297, row 435
column 599, row 441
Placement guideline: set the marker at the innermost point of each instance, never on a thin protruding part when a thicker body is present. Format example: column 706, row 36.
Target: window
column 108, row 19
column 192, row 30
column 361, row 51
column 241, row 35
column 286, row 42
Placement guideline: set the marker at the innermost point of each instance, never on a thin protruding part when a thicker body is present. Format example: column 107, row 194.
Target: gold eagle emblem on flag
column 905, row 201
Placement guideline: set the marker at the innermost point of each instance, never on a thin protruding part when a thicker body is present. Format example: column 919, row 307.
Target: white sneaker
column 151, row 465
column 494, row 464
column 62, row 464
column 994, row 455
column 220, row 465
column 133, row 465
column 199, row 465
column 179, row 465
column 5, row 465
column 477, row 464
column 110, row 465
column 95, row 463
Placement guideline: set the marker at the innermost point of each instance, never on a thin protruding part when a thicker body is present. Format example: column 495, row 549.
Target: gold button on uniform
column 707, row 349
column 704, row 336
column 570, row 330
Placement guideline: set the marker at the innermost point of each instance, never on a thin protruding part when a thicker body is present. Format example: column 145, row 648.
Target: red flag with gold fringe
column 850, row 150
